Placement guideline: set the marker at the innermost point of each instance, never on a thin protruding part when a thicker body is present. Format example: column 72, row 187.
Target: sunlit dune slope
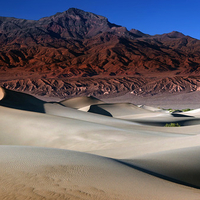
column 40, row 173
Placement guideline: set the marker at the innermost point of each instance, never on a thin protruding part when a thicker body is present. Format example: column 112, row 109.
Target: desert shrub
column 187, row 109
column 172, row 125
column 170, row 110
column 178, row 110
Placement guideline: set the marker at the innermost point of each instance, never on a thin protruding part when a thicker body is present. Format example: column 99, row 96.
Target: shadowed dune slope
column 118, row 109
column 195, row 112
column 41, row 173
column 162, row 120
column 21, row 101
column 180, row 165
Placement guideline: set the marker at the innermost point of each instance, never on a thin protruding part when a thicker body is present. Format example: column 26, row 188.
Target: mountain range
column 77, row 52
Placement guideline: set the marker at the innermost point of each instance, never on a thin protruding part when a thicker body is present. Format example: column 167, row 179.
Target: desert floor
column 86, row 148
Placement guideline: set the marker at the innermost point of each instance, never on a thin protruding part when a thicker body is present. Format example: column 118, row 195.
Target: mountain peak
column 168, row 36
column 175, row 34
column 82, row 13
column 76, row 23
column 74, row 9
column 138, row 33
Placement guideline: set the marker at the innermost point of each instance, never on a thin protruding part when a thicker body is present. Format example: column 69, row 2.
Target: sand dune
column 144, row 114
column 126, row 144
column 80, row 102
column 180, row 165
column 21, row 101
column 151, row 108
column 2, row 93
column 118, row 109
column 40, row 173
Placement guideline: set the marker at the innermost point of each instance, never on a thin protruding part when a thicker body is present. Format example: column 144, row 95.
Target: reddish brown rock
column 77, row 52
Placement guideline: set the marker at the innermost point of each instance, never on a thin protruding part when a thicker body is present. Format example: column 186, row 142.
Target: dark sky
column 148, row 16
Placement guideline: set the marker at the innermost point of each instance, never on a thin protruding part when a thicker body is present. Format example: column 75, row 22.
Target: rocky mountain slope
column 77, row 52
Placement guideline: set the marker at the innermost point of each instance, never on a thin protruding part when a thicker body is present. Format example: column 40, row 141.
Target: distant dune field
column 85, row 148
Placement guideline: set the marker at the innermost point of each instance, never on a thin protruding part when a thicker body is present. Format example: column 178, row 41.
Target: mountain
column 77, row 52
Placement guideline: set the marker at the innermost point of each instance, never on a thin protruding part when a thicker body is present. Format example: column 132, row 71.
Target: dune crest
column 81, row 102
column 2, row 93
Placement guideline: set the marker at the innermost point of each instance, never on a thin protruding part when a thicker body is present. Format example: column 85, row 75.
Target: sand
column 88, row 149
column 178, row 100
column 62, row 174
